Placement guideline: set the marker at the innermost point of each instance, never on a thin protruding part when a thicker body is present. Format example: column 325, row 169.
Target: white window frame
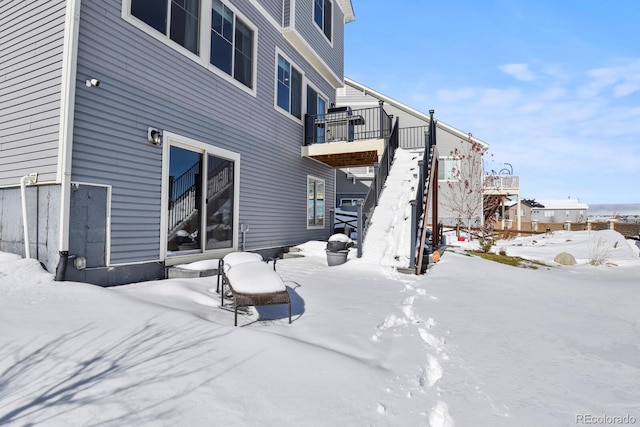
column 447, row 171
column 169, row 139
column 204, row 34
column 303, row 96
column 353, row 201
column 254, row 62
column 329, row 39
column 311, row 178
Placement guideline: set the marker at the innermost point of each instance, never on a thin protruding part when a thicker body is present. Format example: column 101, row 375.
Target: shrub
column 486, row 244
column 600, row 253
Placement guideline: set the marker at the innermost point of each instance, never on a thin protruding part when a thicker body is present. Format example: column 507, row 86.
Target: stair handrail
column 180, row 189
column 426, row 188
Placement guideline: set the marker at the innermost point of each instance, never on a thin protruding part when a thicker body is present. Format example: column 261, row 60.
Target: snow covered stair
column 251, row 282
column 392, row 216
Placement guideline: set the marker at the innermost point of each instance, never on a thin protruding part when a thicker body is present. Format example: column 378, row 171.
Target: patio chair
column 251, row 282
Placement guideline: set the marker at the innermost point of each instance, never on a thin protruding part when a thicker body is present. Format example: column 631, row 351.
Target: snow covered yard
column 471, row 343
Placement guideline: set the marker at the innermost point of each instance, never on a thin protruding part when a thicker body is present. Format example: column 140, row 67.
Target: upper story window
column 231, row 44
column 226, row 44
column 322, row 14
column 177, row 19
column 289, row 88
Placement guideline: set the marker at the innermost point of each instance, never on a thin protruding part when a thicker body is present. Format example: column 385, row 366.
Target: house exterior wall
column 31, row 40
column 31, row 57
column 314, row 36
column 558, row 215
column 43, row 207
column 349, row 188
column 149, row 83
column 115, row 204
column 511, row 213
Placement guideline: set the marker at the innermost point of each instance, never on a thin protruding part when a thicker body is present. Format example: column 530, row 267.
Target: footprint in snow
column 430, row 339
column 431, row 373
column 439, row 416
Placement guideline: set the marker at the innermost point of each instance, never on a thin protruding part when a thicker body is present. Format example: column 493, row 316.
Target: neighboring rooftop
column 563, row 204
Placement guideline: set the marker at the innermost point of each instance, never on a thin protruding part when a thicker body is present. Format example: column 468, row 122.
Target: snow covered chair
column 251, row 282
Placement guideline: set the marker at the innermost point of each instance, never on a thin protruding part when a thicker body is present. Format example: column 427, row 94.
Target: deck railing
column 345, row 125
column 501, row 182
column 183, row 195
column 413, row 137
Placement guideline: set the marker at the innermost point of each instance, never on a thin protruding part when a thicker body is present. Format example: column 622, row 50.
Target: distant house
column 144, row 134
column 527, row 205
column 413, row 126
column 563, row 210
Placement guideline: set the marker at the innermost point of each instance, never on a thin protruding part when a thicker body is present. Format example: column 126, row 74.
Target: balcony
column 501, row 185
column 343, row 137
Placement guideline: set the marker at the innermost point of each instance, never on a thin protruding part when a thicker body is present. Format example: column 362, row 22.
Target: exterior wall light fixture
column 154, row 136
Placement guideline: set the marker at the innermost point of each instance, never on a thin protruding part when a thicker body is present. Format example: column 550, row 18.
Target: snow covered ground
column 470, row 343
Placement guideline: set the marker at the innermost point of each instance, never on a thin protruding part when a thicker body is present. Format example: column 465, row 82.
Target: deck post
column 414, row 232
column 380, row 104
column 360, row 228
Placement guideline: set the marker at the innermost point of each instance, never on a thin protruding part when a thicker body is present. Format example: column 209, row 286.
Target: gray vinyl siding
column 356, row 98
column 31, row 39
column 286, row 17
column 274, row 7
column 138, row 91
column 333, row 56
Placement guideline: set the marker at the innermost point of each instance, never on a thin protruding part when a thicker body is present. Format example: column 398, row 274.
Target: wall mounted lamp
column 154, row 136
column 92, row 82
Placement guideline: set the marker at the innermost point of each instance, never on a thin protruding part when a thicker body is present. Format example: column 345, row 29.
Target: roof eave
column 347, row 10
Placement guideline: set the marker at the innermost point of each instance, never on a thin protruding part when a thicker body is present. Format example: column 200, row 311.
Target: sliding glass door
column 201, row 205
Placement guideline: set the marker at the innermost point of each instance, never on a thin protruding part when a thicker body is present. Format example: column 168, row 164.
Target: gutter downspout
column 67, row 107
column 31, row 179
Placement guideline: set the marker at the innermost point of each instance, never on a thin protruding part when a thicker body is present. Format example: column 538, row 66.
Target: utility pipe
column 25, row 224
column 65, row 136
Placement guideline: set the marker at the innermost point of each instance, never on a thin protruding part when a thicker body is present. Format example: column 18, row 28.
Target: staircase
column 392, row 215
column 184, row 196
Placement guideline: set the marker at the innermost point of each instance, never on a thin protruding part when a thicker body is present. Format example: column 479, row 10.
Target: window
column 231, row 49
column 448, row 169
column 289, row 88
column 350, row 202
column 315, row 202
column 177, row 19
column 316, row 104
column 548, row 214
column 322, row 16
column 226, row 45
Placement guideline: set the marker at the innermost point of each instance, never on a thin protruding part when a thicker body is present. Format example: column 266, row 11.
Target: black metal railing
column 183, row 195
column 344, row 124
column 413, row 137
column 419, row 204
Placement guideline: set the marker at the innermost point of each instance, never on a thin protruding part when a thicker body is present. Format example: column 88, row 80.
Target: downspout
column 67, row 107
column 31, row 179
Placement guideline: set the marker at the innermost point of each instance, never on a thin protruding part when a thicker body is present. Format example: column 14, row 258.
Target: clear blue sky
column 553, row 86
